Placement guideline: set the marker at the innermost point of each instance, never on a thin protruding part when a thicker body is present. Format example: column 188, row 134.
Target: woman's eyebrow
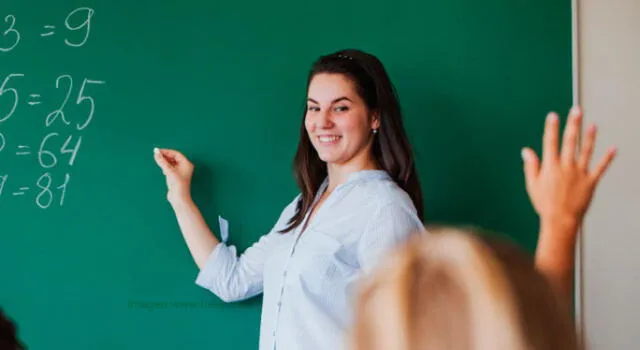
column 343, row 98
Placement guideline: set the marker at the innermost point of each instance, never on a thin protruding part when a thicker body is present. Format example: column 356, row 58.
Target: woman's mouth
column 329, row 139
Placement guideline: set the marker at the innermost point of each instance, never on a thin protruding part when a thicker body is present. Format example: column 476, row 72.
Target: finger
column 162, row 161
column 550, row 139
column 174, row 155
column 570, row 138
column 604, row 163
column 166, row 155
column 531, row 167
column 587, row 148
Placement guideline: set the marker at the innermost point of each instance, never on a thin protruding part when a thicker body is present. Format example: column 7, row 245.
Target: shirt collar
column 362, row 175
column 368, row 175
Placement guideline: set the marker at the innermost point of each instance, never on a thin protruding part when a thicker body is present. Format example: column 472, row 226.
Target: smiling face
column 337, row 120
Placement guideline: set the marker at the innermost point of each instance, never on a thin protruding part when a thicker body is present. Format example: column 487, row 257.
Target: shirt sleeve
column 389, row 226
column 235, row 278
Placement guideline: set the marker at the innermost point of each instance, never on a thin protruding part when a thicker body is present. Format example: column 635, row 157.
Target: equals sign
column 21, row 191
column 49, row 32
column 33, row 100
column 23, row 151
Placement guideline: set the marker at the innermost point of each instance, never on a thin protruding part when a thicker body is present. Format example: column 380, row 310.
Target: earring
column 375, row 131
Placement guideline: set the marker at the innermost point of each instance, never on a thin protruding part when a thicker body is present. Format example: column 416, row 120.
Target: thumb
column 531, row 167
column 162, row 162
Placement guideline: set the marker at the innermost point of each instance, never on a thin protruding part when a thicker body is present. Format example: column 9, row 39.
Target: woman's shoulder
column 384, row 192
column 379, row 202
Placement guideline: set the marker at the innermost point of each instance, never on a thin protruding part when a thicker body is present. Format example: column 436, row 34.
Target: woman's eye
column 312, row 108
column 342, row 109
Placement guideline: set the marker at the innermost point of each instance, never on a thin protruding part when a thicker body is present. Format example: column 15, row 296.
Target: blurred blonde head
column 451, row 290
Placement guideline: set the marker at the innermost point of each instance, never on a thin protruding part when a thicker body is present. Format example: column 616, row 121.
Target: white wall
column 609, row 90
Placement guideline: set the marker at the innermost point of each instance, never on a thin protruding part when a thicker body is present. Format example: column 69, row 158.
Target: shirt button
column 284, row 274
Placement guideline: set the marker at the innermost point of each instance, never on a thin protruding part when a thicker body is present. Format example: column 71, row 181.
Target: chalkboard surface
column 90, row 253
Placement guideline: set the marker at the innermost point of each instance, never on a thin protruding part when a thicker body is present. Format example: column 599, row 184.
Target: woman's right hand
column 178, row 171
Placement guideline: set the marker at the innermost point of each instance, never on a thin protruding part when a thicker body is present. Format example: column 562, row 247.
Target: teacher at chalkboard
column 360, row 196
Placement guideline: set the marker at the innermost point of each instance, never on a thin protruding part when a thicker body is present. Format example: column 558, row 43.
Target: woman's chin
column 328, row 157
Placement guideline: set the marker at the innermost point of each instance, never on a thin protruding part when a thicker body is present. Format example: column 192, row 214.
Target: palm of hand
column 562, row 187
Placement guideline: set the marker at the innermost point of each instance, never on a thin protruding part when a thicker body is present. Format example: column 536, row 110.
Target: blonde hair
column 451, row 290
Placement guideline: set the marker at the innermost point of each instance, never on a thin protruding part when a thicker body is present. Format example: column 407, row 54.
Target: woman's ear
column 375, row 121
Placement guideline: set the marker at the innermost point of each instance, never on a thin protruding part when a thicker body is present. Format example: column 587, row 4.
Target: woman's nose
column 324, row 120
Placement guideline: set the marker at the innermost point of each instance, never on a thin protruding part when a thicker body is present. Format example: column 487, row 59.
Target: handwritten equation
column 55, row 147
column 78, row 20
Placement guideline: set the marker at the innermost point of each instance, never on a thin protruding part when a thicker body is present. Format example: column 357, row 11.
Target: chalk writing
column 63, row 118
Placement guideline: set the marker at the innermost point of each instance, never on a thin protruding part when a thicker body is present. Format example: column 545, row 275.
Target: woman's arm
column 222, row 271
column 234, row 278
column 561, row 189
column 178, row 171
column 199, row 238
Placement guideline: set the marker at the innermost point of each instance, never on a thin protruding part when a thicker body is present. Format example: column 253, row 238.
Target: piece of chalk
column 224, row 229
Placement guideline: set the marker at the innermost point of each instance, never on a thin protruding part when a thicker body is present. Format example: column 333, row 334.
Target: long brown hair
column 451, row 290
column 391, row 148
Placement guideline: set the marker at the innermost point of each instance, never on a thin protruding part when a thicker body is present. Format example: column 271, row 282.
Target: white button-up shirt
column 309, row 280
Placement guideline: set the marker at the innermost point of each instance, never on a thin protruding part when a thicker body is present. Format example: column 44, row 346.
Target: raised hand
column 561, row 190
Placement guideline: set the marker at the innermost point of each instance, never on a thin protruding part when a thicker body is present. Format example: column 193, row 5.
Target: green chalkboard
column 90, row 253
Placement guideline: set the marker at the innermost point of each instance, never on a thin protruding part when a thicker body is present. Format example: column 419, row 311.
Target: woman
column 453, row 290
column 359, row 197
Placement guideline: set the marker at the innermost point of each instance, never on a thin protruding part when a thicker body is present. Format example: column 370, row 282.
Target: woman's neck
column 339, row 173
